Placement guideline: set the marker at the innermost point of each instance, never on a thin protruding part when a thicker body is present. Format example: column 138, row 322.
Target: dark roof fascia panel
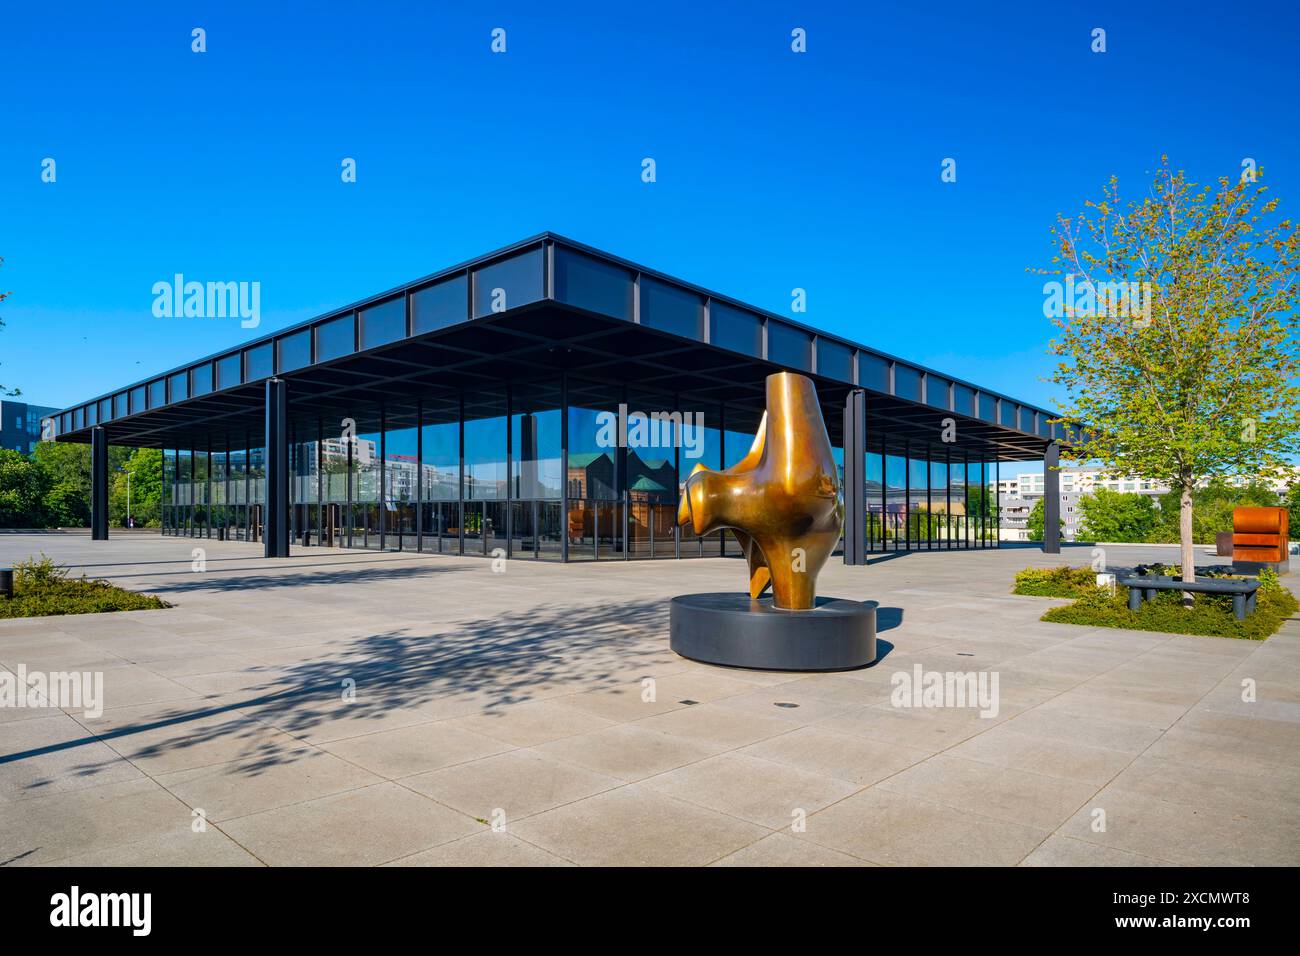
column 636, row 270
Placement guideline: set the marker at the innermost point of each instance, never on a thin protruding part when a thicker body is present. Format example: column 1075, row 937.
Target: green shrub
column 34, row 575
column 43, row 588
column 1210, row 614
column 1055, row 582
column 1269, row 580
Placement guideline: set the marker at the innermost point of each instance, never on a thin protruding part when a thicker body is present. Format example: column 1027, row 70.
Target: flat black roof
column 534, row 308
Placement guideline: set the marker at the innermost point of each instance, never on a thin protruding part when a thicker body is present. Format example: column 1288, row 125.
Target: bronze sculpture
column 781, row 501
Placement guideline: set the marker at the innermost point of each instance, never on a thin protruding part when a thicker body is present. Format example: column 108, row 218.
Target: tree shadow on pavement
column 481, row 666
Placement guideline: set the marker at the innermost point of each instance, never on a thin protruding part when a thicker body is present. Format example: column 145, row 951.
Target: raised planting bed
column 43, row 588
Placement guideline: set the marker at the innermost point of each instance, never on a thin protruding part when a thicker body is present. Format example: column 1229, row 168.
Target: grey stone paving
column 544, row 700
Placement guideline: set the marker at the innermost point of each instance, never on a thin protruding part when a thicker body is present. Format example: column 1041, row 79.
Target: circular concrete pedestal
column 734, row 630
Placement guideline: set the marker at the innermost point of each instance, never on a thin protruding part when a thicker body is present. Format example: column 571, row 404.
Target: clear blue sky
column 775, row 170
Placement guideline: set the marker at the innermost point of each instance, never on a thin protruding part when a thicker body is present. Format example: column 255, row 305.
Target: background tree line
column 1125, row 517
column 51, row 487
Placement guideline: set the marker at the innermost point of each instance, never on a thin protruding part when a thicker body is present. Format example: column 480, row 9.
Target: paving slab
column 360, row 707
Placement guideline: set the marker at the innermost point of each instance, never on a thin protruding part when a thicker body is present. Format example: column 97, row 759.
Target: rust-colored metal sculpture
column 781, row 501
column 1259, row 539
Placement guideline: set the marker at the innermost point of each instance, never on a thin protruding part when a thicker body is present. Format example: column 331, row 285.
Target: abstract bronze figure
column 781, row 501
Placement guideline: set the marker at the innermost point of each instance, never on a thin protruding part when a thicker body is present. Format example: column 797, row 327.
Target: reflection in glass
column 485, row 446
column 535, row 441
column 401, row 476
column 364, row 530
column 896, row 501
column 440, row 473
column 918, row 510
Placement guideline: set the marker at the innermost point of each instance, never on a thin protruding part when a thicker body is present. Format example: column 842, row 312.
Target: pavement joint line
column 204, row 608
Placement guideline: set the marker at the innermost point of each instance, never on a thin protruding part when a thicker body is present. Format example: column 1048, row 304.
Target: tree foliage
column 1036, row 523
column 51, row 487
column 1212, row 507
column 145, row 486
column 1115, row 516
column 1197, row 377
column 23, row 487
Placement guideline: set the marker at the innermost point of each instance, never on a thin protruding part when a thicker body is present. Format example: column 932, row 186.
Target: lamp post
column 128, row 495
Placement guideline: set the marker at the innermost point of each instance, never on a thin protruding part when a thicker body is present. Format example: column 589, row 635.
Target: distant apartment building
column 1017, row 496
column 20, row 424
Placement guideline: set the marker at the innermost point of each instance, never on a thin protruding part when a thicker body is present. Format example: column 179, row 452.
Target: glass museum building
column 548, row 400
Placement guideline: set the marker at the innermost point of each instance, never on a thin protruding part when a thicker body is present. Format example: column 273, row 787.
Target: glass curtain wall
column 485, row 439
column 364, row 471
column 401, row 462
column 537, row 479
column 654, row 427
column 918, row 499
column 596, row 463
column 440, row 473
column 256, row 484
column 480, row 470
column 895, row 535
column 201, row 527
column 168, row 491
column 305, row 482
column 217, row 471
column 237, row 491
column 957, row 498
column 940, row 516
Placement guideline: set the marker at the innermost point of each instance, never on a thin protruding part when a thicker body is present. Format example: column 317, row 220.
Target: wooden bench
column 1143, row 587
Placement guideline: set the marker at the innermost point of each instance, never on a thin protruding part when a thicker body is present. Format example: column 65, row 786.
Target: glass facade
column 928, row 497
column 485, row 472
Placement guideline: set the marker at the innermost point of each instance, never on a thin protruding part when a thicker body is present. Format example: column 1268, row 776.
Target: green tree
column 145, row 468
column 23, row 487
column 1036, row 523
column 1115, row 516
column 1212, row 507
column 68, row 467
column 1180, row 353
column 1292, row 502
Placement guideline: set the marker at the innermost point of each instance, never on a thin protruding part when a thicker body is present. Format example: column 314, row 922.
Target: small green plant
column 38, row 574
column 1055, row 582
column 43, row 589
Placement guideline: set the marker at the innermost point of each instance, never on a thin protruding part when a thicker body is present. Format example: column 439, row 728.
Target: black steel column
column 1051, row 499
column 98, row 484
column 276, row 536
column 855, row 479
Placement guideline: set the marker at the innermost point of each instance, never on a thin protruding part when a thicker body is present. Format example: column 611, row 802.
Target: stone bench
column 1143, row 587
